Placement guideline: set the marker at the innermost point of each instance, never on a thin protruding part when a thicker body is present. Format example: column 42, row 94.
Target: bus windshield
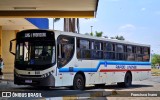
column 35, row 52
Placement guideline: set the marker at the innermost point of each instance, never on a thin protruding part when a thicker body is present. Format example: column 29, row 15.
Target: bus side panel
column 142, row 73
column 68, row 75
column 64, row 79
column 95, row 77
column 118, row 76
column 68, row 72
column 67, row 79
column 136, row 76
column 58, row 80
column 114, row 76
column 109, row 77
column 85, row 67
column 146, row 74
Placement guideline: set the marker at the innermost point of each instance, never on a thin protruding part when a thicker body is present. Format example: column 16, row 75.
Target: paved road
column 6, row 86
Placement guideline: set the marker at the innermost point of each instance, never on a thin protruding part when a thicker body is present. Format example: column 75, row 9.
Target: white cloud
column 127, row 27
column 143, row 9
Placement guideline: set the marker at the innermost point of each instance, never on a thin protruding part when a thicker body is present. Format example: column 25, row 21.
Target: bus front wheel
column 78, row 83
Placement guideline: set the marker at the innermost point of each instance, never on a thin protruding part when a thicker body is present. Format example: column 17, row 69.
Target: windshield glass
column 35, row 52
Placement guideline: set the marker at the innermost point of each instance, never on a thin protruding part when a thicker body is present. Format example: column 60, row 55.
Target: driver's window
column 26, row 51
column 65, row 50
column 43, row 52
column 21, row 51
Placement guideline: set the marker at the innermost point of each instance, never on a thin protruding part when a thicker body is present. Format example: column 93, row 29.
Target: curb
column 3, row 78
column 94, row 95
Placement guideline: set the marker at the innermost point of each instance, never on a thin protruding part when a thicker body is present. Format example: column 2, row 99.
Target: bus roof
column 93, row 37
column 101, row 38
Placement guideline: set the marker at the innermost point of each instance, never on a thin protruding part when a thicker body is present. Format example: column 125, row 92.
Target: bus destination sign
column 35, row 35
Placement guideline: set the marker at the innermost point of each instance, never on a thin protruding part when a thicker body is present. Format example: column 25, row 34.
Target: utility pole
column 53, row 23
column 91, row 29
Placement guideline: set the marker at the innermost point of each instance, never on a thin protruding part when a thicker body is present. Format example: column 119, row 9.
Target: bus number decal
column 132, row 67
column 120, row 66
column 126, row 67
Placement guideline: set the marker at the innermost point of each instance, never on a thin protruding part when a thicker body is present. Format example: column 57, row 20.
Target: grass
column 155, row 72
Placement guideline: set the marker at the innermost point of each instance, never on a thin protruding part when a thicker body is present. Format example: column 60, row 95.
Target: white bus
column 56, row 58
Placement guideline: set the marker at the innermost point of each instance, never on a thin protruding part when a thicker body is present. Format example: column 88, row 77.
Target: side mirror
column 10, row 48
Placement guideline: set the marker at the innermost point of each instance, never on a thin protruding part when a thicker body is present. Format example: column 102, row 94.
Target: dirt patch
column 155, row 72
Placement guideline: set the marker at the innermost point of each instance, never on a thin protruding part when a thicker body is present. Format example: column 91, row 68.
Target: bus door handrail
column 10, row 48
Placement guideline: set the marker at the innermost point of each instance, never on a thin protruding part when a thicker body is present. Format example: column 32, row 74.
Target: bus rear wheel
column 78, row 82
column 127, row 81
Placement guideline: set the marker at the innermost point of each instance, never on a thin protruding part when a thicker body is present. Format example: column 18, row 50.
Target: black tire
column 127, row 81
column 78, row 82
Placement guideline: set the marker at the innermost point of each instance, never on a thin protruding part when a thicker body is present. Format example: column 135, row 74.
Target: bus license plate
column 28, row 81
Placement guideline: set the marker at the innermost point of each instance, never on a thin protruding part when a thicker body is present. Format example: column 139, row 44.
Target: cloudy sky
column 137, row 20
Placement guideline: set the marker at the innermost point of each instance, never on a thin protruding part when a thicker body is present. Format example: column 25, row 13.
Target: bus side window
column 21, row 51
column 120, row 55
column 139, row 52
column 97, row 51
column 146, row 54
column 65, row 50
column 130, row 53
column 79, row 56
column 108, row 51
column 83, row 49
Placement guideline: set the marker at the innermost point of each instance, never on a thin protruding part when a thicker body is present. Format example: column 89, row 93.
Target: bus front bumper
column 34, row 81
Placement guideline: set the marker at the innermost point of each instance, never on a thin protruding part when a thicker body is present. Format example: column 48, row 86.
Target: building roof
column 21, row 23
column 16, row 24
column 49, row 8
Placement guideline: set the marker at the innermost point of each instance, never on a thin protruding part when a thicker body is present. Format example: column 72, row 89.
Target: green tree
column 120, row 38
column 155, row 59
column 99, row 34
column 91, row 34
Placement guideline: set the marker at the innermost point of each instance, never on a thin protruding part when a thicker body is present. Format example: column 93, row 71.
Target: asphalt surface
column 152, row 84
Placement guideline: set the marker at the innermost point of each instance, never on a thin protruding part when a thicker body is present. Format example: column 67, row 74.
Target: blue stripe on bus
column 105, row 63
column 127, row 63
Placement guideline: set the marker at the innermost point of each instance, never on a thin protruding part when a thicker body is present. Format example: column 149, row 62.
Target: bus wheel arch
column 79, row 78
column 127, row 80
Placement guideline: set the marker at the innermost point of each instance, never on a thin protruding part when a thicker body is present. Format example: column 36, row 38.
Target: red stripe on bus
column 123, row 70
